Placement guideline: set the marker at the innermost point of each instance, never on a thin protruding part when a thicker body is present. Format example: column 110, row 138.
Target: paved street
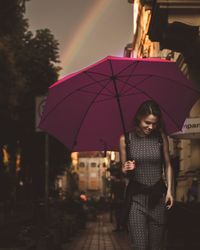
column 98, row 235
column 183, row 233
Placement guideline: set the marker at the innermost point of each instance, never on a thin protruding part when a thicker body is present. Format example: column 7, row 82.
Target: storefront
column 188, row 141
column 190, row 130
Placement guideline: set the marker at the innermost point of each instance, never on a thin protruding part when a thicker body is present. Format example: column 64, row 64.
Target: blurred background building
column 92, row 169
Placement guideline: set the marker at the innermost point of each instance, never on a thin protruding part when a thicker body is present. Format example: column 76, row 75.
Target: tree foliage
column 11, row 16
column 27, row 61
column 29, row 65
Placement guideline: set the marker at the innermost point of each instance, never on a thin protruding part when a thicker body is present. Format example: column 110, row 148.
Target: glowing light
column 135, row 15
column 18, row 161
column 112, row 156
column 5, row 156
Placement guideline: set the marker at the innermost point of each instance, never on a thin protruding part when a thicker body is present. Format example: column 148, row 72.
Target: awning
column 190, row 130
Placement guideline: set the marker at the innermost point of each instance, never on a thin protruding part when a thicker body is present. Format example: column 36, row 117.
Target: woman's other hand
column 128, row 165
column 169, row 200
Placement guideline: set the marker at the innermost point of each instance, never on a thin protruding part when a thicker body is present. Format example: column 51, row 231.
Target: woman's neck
column 140, row 133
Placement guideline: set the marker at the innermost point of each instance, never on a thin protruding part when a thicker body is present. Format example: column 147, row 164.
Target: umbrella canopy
column 90, row 109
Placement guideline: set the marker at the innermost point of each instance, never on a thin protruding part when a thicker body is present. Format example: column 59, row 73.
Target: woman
column 148, row 152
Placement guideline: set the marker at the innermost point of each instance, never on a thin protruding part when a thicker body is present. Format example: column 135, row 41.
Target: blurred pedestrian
column 192, row 194
column 146, row 192
column 117, row 195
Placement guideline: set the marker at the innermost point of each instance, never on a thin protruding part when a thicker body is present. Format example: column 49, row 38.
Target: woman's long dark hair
column 149, row 107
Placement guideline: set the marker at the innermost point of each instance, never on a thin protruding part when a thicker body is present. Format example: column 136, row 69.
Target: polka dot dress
column 146, row 226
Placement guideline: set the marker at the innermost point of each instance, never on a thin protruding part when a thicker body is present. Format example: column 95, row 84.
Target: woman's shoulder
column 122, row 138
column 126, row 137
column 164, row 137
column 163, row 134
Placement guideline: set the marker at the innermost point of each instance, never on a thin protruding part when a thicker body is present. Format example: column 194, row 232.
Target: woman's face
column 148, row 124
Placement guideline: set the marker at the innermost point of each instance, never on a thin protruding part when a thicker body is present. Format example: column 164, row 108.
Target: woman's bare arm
column 122, row 149
column 126, row 165
column 169, row 172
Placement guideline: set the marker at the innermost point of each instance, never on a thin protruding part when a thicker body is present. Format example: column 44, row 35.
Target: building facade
column 92, row 171
column 170, row 29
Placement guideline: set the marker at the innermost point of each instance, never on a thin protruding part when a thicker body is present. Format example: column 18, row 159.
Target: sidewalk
column 98, row 235
column 184, row 227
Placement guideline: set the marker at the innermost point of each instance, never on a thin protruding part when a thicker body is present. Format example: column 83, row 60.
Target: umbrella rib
column 177, row 82
column 101, row 74
column 85, row 114
column 96, row 73
column 104, row 100
column 90, row 92
column 64, row 98
column 166, row 78
column 135, row 85
column 131, row 94
column 93, row 83
column 86, row 72
column 128, row 77
column 149, row 96
column 130, row 65
column 135, row 64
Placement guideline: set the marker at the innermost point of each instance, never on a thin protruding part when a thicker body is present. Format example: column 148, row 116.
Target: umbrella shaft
column 117, row 97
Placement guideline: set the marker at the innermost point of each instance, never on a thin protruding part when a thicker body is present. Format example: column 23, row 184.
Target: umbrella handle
column 128, row 151
column 130, row 173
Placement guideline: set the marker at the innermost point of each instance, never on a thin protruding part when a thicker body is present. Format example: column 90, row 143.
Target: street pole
column 46, row 171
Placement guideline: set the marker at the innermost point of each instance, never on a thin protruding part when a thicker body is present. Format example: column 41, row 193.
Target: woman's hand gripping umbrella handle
column 128, row 164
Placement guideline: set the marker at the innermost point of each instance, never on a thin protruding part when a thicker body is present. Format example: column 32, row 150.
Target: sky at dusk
column 87, row 30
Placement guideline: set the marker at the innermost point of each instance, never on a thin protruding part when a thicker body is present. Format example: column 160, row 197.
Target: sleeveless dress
column 146, row 225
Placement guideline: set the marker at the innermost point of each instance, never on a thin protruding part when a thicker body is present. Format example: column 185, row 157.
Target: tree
column 12, row 25
column 29, row 65
column 11, row 16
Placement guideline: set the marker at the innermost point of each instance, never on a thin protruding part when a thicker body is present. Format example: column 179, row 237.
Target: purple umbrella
column 90, row 109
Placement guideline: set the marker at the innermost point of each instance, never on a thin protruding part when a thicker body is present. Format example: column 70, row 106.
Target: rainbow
column 78, row 39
